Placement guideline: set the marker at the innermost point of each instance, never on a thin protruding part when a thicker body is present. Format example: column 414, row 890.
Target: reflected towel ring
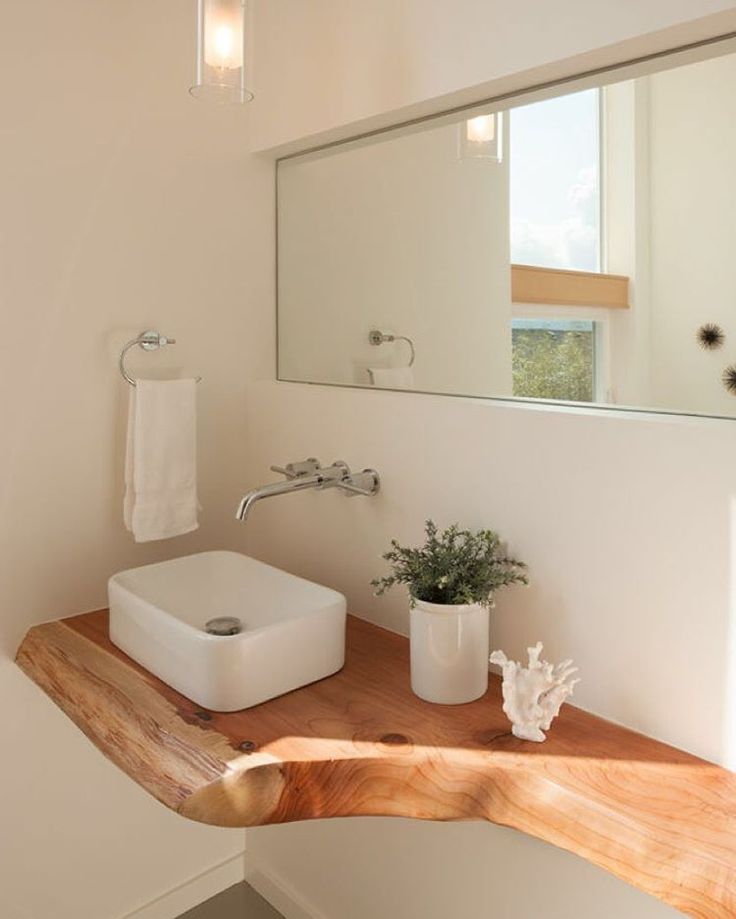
column 151, row 340
column 378, row 338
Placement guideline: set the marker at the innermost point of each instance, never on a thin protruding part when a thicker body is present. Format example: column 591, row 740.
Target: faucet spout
column 277, row 488
column 311, row 474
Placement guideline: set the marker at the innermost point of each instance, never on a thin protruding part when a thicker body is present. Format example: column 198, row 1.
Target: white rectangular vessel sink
column 293, row 631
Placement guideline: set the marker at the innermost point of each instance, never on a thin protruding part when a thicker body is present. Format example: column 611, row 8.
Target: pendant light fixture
column 480, row 138
column 222, row 61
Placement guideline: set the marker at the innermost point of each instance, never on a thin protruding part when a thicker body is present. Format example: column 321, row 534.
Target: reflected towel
column 161, row 460
column 392, row 377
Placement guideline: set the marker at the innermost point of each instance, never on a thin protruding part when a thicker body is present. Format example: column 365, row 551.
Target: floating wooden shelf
column 359, row 743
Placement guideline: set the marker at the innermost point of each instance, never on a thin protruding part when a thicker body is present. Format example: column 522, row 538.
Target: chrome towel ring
column 150, row 340
column 375, row 337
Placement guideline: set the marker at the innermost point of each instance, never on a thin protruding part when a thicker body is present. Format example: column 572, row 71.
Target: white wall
column 626, row 521
column 124, row 204
column 401, row 235
column 329, row 63
column 406, row 869
column 631, row 556
column 622, row 548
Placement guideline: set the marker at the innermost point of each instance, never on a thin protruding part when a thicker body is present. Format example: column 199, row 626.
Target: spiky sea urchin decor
column 729, row 379
column 711, row 336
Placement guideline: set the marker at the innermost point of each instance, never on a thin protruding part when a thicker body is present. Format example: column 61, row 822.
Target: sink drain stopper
column 224, row 625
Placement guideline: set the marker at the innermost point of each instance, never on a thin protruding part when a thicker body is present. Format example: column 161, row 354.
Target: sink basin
column 293, row 631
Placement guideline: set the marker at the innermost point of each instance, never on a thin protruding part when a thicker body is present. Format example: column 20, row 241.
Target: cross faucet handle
column 297, row 470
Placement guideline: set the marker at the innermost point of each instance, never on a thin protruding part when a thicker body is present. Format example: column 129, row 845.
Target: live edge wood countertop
column 360, row 743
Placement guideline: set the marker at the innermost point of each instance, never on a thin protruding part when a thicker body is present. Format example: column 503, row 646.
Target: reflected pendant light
column 480, row 138
column 221, row 51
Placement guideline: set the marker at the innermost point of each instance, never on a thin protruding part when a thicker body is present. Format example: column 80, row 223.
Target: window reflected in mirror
column 555, row 359
column 554, row 182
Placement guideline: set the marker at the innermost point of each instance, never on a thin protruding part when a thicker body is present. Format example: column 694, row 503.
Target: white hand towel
column 392, row 377
column 161, row 460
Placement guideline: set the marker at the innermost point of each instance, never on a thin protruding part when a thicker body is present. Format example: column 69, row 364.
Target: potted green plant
column 452, row 580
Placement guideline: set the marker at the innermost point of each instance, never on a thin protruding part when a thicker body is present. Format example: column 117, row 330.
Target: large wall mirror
column 577, row 244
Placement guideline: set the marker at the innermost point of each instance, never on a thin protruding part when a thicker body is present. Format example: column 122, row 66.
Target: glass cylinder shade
column 221, row 51
column 479, row 138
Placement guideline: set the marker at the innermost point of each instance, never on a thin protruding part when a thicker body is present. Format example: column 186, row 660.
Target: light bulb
column 481, row 130
column 223, row 44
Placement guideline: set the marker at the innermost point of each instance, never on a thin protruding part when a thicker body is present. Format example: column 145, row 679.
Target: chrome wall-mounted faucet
column 312, row 474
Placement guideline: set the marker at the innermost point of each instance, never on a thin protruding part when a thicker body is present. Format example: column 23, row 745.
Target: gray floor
column 238, row 902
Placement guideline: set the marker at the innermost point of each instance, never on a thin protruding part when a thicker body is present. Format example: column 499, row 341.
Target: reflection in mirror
column 577, row 248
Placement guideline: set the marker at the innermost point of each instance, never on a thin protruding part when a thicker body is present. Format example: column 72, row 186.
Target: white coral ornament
column 533, row 695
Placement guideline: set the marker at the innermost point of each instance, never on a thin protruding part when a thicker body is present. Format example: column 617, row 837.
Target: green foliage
column 553, row 364
column 454, row 567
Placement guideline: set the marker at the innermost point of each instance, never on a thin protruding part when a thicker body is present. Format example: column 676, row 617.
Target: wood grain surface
column 560, row 286
column 360, row 743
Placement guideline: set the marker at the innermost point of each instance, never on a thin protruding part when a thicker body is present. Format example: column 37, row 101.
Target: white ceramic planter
column 449, row 652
